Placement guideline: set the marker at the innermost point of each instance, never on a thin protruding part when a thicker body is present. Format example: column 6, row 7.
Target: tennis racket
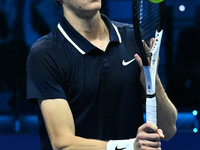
column 148, row 22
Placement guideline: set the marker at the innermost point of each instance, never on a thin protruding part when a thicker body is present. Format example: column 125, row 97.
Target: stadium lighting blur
column 182, row 8
column 17, row 125
column 195, row 130
column 195, row 112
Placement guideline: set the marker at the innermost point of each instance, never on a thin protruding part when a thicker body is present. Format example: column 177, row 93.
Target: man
column 87, row 97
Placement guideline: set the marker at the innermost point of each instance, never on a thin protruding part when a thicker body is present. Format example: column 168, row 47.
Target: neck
column 92, row 28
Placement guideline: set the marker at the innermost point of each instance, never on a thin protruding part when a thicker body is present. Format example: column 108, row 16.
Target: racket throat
column 156, row 45
column 150, row 90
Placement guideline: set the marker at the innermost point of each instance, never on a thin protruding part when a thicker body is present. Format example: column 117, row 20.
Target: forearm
column 78, row 143
column 61, row 128
column 166, row 111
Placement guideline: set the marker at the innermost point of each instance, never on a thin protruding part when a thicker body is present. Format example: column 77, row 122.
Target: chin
column 95, row 5
column 93, row 8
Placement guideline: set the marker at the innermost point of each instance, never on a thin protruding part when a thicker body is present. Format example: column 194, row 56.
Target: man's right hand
column 148, row 137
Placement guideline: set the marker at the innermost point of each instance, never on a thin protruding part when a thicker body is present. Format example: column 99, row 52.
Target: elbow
column 56, row 146
column 171, row 129
column 62, row 143
column 170, row 133
column 59, row 146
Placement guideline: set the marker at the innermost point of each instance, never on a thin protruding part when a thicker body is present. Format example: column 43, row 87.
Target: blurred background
column 22, row 22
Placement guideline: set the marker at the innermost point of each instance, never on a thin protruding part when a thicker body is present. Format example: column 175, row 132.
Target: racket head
column 148, row 18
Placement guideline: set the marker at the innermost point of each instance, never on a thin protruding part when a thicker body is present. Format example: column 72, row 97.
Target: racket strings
column 148, row 33
column 151, row 25
column 149, row 8
column 149, row 19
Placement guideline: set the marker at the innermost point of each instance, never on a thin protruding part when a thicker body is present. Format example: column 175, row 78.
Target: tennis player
column 86, row 81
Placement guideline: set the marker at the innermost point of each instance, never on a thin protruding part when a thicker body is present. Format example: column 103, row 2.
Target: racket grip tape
column 151, row 110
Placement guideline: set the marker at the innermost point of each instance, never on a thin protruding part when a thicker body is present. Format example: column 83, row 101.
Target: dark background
column 23, row 21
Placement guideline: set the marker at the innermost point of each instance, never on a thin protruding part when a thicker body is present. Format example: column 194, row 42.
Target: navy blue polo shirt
column 103, row 92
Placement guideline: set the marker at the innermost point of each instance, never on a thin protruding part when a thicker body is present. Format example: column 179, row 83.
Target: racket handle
column 151, row 110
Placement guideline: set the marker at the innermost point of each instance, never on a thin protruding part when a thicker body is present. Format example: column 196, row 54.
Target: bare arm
column 61, row 130
column 167, row 113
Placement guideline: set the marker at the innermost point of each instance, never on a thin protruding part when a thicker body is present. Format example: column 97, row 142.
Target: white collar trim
column 118, row 34
column 75, row 45
column 70, row 40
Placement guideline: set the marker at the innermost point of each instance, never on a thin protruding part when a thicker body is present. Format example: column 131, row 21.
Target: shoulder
column 46, row 45
column 47, row 51
column 126, row 30
column 127, row 33
column 121, row 25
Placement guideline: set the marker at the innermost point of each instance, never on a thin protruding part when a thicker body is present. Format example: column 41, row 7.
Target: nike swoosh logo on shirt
column 125, row 63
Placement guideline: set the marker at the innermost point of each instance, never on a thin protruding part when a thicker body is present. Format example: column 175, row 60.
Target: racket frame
column 149, row 68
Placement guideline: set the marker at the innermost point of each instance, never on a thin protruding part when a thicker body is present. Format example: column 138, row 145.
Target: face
column 82, row 6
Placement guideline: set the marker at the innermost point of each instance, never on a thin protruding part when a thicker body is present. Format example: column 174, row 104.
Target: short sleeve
column 44, row 79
